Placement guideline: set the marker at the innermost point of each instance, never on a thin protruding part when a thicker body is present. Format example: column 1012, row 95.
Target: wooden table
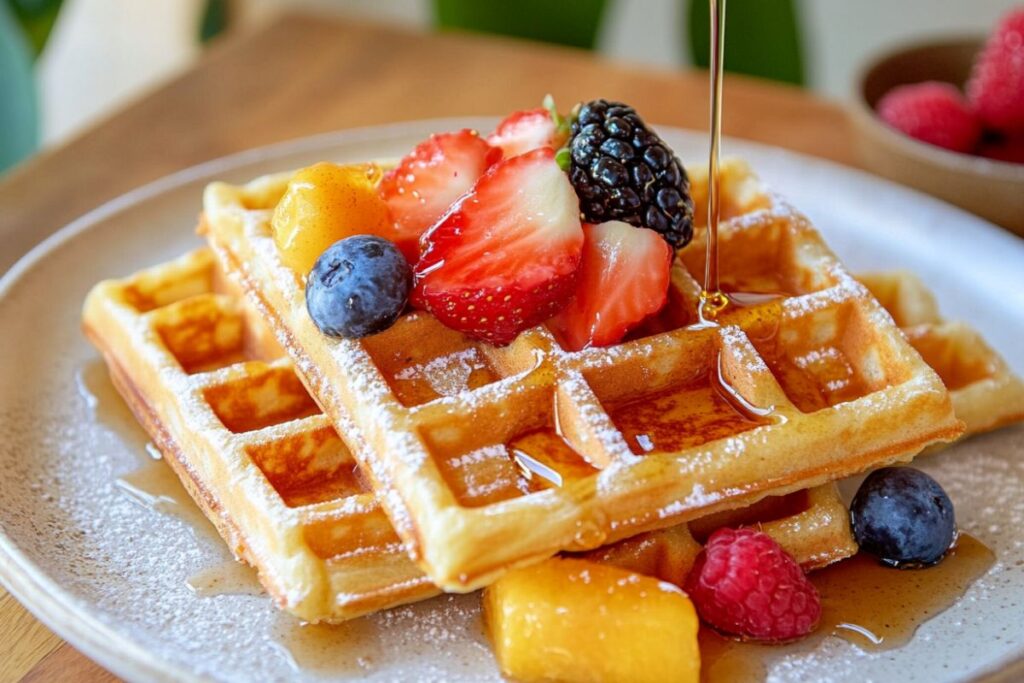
column 301, row 75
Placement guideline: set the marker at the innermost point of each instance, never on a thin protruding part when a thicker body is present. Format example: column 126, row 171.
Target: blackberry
column 623, row 171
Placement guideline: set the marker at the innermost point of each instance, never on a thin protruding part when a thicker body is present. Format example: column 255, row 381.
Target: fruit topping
column 623, row 171
column 505, row 256
column 572, row 620
column 903, row 517
column 358, row 287
column 427, row 181
column 931, row 112
column 525, row 131
column 996, row 87
column 743, row 583
column 324, row 203
column 1008, row 149
column 623, row 279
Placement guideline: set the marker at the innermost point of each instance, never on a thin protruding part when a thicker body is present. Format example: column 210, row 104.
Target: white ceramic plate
column 109, row 574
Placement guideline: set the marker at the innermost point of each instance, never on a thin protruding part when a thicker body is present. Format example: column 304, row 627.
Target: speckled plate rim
column 72, row 619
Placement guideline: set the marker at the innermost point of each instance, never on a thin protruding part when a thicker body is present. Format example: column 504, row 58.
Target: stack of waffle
column 439, row 462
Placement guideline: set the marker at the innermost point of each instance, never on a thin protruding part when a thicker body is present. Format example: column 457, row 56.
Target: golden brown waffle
column 486, row 458
column 209, row 383
column 247, row 441
column 813, row 526
column 986, row 394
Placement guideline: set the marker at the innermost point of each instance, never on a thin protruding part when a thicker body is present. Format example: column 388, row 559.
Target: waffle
column 249, row 444
column 486, row 458
column 193, row 364
column 813, row 526
column 986, row 394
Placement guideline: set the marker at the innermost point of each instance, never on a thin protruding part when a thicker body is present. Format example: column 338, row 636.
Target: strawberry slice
column 623, row 279
column 504, row 258
column 523, row 131
column 426, row 182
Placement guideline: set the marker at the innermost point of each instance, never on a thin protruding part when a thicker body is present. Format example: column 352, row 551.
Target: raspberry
column 931, row 112
column 996, row 87
column 1010, row 150
column 744, row 584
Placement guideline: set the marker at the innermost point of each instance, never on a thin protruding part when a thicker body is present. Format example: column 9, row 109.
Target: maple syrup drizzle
column 734, row 398
column 874, row 607
column 712, row 301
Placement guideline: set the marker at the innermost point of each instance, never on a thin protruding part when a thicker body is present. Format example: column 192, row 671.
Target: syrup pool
column 346, row 649
column 873, row 607
column 689, row 414
column 152, row 484
column 546, row 460
column 229, row 577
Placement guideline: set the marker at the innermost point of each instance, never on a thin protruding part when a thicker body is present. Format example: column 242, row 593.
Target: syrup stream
column 711, row 298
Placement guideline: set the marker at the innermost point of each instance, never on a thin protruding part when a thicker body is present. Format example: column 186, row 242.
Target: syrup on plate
column 153, row 484
column 872, row 606
column 229, row 577
column 331, row 650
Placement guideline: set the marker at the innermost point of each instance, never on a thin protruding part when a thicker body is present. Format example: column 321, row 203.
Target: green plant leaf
column 762, row 38
column 214, row 19
column 36, row 18
column 566, row 22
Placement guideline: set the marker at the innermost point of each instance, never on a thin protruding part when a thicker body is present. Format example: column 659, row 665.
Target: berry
column 623, row 279
column 323, row 204
column 358, row 287
column 903, row 517
column 1010, row 150
column 996, row 87
column 504, row 258
column 931, row 112
column 622, row 171
column 427, row 181
column 524, row 131
column 744, row 584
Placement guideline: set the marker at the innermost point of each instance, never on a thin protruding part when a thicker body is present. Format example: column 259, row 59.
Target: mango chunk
column 325, row 203
column 573, row 620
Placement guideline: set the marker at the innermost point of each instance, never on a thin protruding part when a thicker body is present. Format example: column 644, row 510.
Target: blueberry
column 358, row 287
column 903, row 517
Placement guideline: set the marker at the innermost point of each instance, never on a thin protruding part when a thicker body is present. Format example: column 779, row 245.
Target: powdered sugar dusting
column 447, row 375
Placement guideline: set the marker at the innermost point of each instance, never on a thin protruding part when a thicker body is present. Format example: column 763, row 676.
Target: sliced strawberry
column 623, row 279
column 426, row 182
column 504, row 258
column 523, row 131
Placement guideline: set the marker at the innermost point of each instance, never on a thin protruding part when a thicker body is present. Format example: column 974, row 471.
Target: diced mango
column 323, row 204
column 573, row 620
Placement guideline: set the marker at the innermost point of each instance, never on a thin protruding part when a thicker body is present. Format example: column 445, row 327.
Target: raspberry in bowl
column 937, row 117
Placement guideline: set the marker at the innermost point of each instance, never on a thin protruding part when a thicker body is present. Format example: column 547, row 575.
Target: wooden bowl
column 991, row 189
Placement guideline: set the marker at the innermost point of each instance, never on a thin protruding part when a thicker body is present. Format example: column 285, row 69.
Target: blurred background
column 65, row 64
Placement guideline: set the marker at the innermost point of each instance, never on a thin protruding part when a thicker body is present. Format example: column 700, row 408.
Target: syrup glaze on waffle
column 811, row 384
column 986, row 394
column 204, row 335
column 249, row 444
